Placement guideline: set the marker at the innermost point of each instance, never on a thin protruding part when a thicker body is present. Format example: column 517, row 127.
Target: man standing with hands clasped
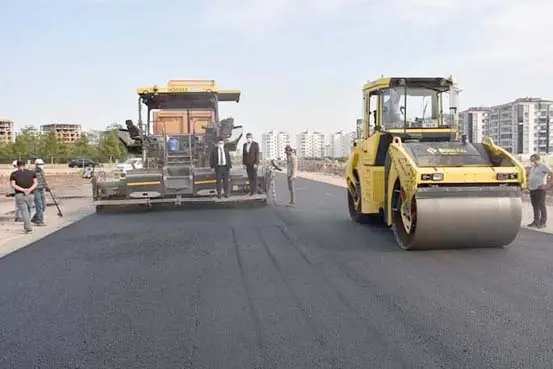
column 537, row 184
column 24, row 183
column 220, row 162
column 250, row 159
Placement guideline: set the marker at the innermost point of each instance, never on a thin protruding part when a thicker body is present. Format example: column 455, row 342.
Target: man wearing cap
column 291, row 170
column 250, row 159
column 40, row 202
column 24, row 182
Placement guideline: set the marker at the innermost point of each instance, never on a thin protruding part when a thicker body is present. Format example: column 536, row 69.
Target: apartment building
column 310, row 144
column 273, row 144
column 473, row 123
column 65, row 132
column 7, row 133
column 327, row 151
column 341, row 143
column 522, row 126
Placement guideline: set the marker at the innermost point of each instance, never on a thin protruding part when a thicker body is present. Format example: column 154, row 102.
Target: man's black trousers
column 252, row 178
column 222, row 178
column 537, row 197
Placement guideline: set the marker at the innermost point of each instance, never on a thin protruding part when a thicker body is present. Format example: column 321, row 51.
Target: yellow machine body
column 425, row 181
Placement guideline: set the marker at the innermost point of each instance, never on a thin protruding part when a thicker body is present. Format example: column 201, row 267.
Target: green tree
column 82, row 148
column 63, row 152
column 30, row 144
column 6, row 152
column 49, row 147
column 110, row 148
column 27, row 144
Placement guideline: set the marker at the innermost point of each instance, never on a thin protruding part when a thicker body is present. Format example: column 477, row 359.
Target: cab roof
column 155, row 97
column 438, row 83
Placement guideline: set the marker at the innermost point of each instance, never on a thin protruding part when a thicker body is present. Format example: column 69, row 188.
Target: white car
column 131, row 164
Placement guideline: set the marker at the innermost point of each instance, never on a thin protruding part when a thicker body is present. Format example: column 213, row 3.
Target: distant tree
column 30, row 144
column 6, row 152
column 110, row 148
column 49, row 147
column 63, row 153
column 82, row 148
column 27, row 144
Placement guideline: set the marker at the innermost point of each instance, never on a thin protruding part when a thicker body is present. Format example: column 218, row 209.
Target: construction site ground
column 269, row 287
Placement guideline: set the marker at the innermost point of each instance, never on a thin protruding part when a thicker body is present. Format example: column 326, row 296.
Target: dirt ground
column 55, row 181
column 62, row 186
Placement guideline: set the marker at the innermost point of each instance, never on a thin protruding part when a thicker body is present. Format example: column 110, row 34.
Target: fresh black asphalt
column 270, row 287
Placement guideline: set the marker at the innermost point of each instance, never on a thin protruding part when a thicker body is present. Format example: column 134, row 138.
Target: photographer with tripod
column 41, row 188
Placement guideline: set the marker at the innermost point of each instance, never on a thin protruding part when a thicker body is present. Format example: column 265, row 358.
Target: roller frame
column 448, row 216
column 471, row 206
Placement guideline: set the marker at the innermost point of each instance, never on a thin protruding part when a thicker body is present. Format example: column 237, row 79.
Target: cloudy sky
column 299, row 63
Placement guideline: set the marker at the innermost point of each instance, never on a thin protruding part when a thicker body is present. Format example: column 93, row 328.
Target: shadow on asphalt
column 161, row 208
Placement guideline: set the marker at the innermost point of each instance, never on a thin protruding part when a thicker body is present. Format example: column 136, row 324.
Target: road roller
column 415, row 172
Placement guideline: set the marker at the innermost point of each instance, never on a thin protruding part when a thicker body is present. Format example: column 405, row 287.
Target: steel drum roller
column 481, row 221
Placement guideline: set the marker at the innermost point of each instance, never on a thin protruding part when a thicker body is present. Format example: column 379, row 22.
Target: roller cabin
column 412, row 171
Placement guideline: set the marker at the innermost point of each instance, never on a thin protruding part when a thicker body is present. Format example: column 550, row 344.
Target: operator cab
column 187, row 119
column 413, row 109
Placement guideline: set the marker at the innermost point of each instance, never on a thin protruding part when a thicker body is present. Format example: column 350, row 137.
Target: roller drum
column 481, row 219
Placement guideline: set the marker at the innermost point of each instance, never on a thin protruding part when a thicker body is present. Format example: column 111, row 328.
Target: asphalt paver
column 270, row 287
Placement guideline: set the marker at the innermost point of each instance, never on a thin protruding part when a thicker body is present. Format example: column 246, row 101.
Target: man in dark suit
column 220, row 162
column 250, row 159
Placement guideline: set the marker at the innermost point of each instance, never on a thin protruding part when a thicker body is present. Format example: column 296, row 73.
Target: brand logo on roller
column 447, row 151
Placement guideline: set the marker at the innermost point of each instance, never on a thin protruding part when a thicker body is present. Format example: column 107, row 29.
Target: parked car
column 130, row 164
column 81, row 163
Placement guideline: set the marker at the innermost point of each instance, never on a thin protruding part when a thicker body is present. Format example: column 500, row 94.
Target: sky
column 299, row 64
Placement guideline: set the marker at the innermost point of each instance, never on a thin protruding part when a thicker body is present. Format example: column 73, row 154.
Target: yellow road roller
column 413, row 170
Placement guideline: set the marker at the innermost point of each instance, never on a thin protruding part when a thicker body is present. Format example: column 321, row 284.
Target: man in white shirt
column 220, row 162
column 291, row 172
column 538, row 185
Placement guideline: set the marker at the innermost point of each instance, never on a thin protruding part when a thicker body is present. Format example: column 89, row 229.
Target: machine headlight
column 506, row 176
column 433, row 177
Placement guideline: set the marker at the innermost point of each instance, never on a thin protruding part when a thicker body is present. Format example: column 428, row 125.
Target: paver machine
column 413, row 171
column 176, row 165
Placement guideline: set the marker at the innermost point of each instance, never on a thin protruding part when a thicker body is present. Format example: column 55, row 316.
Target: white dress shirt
column 222, row 157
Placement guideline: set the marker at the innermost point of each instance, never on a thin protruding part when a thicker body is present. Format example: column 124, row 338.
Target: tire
column 356, row 215
column 403, row 237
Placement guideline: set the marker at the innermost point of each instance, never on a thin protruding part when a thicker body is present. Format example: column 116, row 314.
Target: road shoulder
column 12, row 237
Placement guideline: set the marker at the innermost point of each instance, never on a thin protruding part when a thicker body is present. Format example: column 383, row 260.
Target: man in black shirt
column 24, row 182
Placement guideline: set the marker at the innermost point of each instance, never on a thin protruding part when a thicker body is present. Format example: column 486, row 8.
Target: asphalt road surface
column 270, row 287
